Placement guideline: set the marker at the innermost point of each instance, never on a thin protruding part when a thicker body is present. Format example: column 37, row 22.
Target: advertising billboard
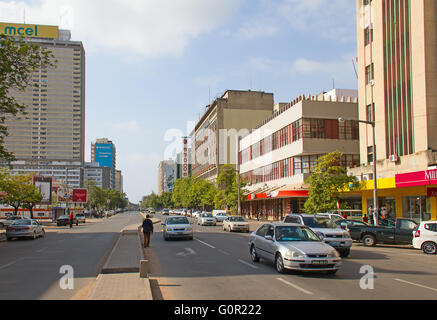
column 29, row 30
column 104, row 155
column 80, row 195
column 44, row 184
column 185, row 168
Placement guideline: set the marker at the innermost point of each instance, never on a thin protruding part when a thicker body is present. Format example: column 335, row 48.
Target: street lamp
column 375, row 180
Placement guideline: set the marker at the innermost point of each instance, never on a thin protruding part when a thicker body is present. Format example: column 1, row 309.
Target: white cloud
column 146, row 28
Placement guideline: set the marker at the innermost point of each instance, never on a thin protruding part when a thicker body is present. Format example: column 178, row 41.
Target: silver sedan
column 25, row 229
column 177, row 227
column 293, row 247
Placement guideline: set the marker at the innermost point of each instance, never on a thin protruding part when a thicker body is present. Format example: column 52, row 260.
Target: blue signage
column 104, row 155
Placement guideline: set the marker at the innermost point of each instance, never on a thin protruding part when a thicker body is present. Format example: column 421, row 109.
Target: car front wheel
column 429, row 248
column 253, row 254
column 279, row 263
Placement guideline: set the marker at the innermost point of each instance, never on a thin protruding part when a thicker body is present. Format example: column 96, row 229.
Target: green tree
column 227, row 194
column 326, row 183
column 17, row 187
column 166, row 200
column 18, row 60
column 32, row 198
column 182, row 195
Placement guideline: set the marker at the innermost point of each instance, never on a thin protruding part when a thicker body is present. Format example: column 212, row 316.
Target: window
column 370, row 154
column 317, row 128
column 291, row 219
column 431, row 227
column 297, row 130
column 370, row 75
column 270, row 231
column 366, row 2
column 263, row 230
column 370, row 112
column 368, row 36
column 348, row 130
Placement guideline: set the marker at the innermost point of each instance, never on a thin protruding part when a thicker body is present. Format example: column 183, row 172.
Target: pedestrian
column 147, row 230
column 71, row 220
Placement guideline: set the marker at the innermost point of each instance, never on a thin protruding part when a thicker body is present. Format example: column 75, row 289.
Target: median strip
column 295, row 286
column 415, row 284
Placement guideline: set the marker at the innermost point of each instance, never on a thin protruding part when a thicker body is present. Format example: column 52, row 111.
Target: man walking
column 147, row 230
column 71, row 219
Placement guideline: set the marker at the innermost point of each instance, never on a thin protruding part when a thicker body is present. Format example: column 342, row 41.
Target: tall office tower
column 397, row 59
column 50, row 140
column 100, row 175
column 118, row 179
column 166, row 176
column 103, row 152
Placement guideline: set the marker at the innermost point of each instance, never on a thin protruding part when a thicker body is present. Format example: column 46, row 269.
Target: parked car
column 25, row 228
column 220, row 217
column 333, row 216
column 81, row 218
column 401, row 233
column 166, row 212
column 65, row 221
column 9, row 221
column 425, row 237
column 352, row 226
column 206, row 219
column 236, row 224
column 196, row 214
column 326, row 230
column 293, row 247
column 177, row 227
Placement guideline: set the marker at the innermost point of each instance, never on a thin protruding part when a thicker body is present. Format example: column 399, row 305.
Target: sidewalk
column 120, row 277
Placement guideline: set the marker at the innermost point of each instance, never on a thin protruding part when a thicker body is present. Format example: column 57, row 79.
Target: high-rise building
column 100, row 175
column 103, row 152
column 118, row 178
column 50, row 140
column 397, row 59
column 214, row 139
column 165, row 176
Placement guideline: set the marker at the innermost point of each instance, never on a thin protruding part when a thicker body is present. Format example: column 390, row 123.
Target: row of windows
column 303, row 128
column 293, row 166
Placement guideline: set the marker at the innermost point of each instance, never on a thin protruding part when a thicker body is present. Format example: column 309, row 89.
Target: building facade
column 397, row 58
column 166, row 176
column 100, row 175
column 278, row 156
column 103, row 152
column 118, row 181
column 214, row 139
column 50, row 140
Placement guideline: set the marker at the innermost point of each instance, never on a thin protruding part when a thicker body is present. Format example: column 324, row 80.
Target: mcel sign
column 29, row 30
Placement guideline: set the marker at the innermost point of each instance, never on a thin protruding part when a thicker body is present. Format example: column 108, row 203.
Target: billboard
column 29, row 30
column 80, row 195
column 185, row 168
column 104, row 155
column 44, row 185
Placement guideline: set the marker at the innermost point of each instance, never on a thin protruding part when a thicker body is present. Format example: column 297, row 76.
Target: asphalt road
column 30, row 269
column 217, row 265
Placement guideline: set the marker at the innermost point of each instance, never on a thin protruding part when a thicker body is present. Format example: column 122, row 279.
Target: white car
column 333, row 216
column 326, row 230
column 236, row 224
column 425, row 237
column 80, row 218
column 196, row 214
column 206, row 219
column 221, row 217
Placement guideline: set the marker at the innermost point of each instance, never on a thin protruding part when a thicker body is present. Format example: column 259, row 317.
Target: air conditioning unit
column 372, row 82
column 394, row 158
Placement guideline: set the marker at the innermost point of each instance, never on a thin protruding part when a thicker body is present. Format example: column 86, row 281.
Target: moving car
column 166, row 212
column 425, row 237
column 177, row 227
column 352, row 226
column 236, row 224
column 206, row 219
column 9, row 221
column 196, row 214
column 26, row 228
column 401, row 233
column 326, row 230
column 65, row 221
column 220, row 217
column 81, row 218
column 293, row 247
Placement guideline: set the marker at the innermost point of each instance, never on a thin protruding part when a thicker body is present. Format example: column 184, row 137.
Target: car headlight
column 320, row 235
column 294, row 254
column 333, row 254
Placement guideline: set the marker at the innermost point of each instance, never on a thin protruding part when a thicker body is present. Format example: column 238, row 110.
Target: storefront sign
column 44, row 185
column 185, row 159
column 413, row 179
column 29, row 30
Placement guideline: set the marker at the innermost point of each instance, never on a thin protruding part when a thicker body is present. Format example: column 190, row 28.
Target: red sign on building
column 80, row 195
column 414, row 179
column 432, row 192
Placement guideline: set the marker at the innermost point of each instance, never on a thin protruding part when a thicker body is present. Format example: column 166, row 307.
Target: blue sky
column 152, row 63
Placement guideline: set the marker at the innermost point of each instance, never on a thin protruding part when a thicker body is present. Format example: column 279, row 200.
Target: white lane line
column 248, row 264
column 295, row 286
column 206, row 244
column 415, row 284
column 41, row 250
column 9, row 264
column 224, row 252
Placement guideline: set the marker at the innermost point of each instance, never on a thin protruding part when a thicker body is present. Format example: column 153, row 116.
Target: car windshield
column 21, row 223
column 237, row 219
column 179, row 220
column 14, row 218
column 319, row 223
column 64, row 217
column 207, row 215
column 290, row 233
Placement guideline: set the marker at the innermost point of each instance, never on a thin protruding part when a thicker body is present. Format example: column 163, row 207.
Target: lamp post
column 375, row 180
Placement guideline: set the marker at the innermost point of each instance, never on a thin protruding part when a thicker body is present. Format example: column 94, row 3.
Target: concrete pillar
column 399, row 204
column 364, row 203
column 433, row 208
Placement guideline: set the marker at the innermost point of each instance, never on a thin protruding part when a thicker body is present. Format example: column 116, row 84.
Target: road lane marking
column 206, row 244
column 295, row 286
column 416, row 284
column 224, row 252
column 41, row 250
column 248, row 264
column 188, row 252
column 9, row 264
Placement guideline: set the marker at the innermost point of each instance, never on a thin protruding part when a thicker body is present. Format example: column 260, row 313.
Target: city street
column 30, row 269
column 217, row 265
